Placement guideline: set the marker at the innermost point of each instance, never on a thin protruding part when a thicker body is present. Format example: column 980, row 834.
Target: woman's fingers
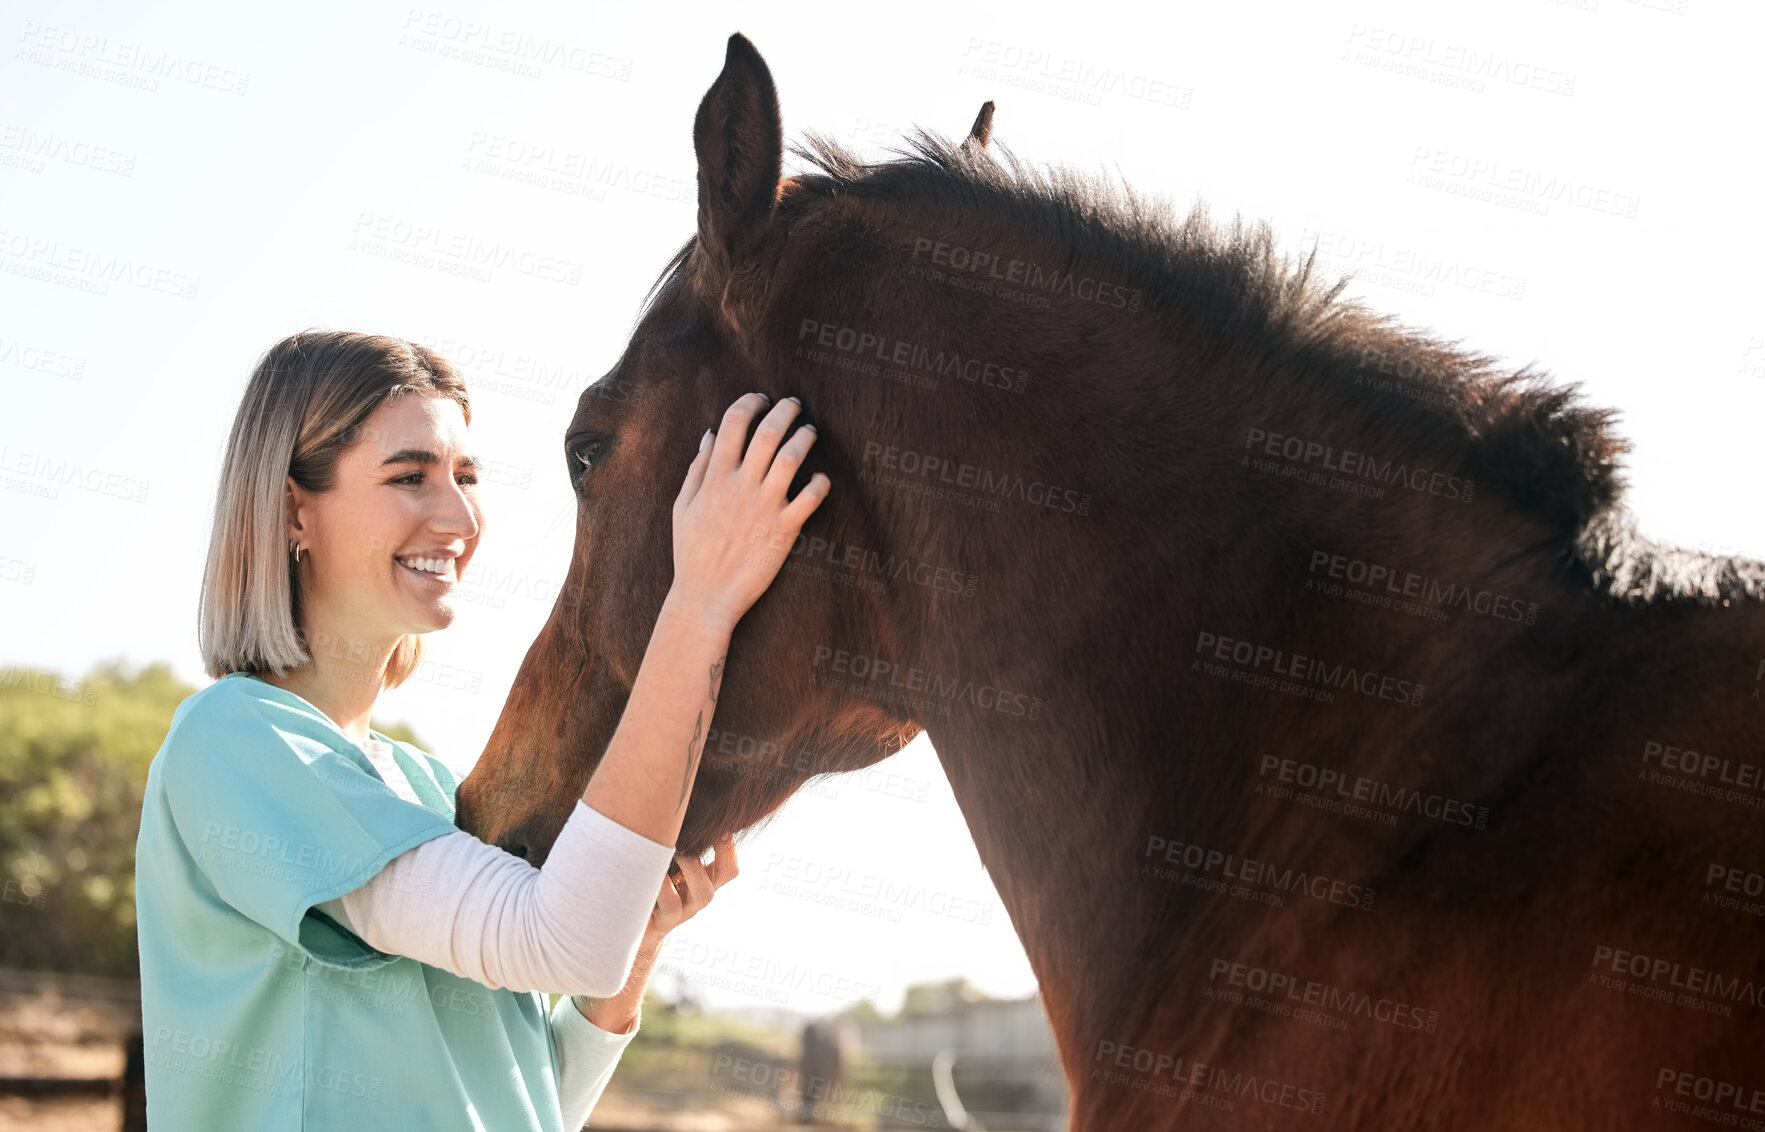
column 735, row 500
column 695, row 883
column 668, row 899
column 686, row 892
column 789, row 458
column 724, row 866
column 798, row 510
column 726, row 450
column 757, row 462
column 695, row 477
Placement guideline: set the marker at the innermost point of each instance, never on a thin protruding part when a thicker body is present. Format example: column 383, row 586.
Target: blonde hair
column 304, row 406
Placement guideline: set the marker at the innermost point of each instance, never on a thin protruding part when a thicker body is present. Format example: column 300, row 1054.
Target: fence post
column 135, row 1085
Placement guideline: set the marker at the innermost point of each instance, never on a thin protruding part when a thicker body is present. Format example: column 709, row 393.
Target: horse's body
column 1325, row 732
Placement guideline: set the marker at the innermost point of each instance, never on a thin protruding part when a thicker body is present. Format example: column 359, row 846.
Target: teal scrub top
column 260, row 1012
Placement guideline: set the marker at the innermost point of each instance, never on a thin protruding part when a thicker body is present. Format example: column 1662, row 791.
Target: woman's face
column 385, row 548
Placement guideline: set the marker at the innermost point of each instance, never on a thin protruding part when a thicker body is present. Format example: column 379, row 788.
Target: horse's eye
column 585, row 452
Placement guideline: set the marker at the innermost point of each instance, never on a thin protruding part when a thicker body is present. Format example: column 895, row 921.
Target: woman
column 321, row 948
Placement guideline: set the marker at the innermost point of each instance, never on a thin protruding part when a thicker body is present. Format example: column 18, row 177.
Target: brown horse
column 1343, row 756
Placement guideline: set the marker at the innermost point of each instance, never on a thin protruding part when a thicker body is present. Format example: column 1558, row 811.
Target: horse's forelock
column 675, row 266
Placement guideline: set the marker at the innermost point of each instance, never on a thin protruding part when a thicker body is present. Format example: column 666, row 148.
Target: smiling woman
column 321, row 946
column 313, row 398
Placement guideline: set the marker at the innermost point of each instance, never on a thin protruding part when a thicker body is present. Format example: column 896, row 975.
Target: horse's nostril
column 525, row 841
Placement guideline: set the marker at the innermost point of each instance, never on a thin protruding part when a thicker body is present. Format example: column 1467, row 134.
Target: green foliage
column 73, row 764
column 930, row 1000
column 73, row 770
column 864, row 1010
column 402, row 732
column 664, row 1024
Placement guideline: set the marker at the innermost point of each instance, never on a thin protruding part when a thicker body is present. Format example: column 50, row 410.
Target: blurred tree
column 923, row 1000
column 864, row 1010
column 73, row 768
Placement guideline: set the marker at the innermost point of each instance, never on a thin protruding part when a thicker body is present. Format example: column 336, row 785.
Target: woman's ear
column 293, row 498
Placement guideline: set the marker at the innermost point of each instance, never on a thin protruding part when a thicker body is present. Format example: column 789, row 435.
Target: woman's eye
column 417, row 477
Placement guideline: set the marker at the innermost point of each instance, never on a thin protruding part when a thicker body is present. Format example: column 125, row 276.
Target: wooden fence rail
column 120, row 994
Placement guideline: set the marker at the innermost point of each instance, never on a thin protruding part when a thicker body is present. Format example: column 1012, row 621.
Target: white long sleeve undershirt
column 570, row 928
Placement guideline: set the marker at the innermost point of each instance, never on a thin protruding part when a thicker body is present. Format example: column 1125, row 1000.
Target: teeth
column 427, row 565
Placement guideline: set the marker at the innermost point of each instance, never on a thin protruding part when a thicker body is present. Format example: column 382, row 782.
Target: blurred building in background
column 1005, row 1068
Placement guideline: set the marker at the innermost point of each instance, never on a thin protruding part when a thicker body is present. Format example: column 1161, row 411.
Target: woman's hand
column 683, row 894
column 733, row 526
column 686, row 892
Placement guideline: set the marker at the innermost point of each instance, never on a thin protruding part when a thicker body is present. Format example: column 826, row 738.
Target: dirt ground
column 63, row 1028
column 55, row 1027
column 613, row 1114
column 64, row 1114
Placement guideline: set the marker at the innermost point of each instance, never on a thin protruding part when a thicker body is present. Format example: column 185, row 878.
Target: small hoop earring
column 297, row 549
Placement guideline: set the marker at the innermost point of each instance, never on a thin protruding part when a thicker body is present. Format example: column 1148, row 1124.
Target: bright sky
column 183, row 184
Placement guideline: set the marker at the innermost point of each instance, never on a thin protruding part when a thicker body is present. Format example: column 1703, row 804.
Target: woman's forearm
column 617, row 1014
column 647, row 772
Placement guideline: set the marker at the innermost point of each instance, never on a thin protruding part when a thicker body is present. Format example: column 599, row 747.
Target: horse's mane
column 1549, row 456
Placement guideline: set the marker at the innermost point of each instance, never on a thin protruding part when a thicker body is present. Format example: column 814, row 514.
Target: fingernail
column 794, row 397
column 768, row 399
column 704, row 440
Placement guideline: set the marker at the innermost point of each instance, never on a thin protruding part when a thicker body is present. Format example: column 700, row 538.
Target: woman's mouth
column 434, row 571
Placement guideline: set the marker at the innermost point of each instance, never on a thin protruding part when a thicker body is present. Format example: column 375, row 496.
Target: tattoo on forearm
column 693, row 748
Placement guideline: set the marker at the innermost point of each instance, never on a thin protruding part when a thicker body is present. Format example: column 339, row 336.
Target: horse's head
column 701, row 342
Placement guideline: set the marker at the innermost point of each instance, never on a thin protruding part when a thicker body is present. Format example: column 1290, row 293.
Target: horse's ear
column 740, row 146
column 981, row 132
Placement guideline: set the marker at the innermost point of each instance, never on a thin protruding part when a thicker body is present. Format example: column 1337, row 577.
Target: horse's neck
column 1132, row 749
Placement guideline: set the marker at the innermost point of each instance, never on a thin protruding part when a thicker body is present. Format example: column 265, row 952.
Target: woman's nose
column 460, row 514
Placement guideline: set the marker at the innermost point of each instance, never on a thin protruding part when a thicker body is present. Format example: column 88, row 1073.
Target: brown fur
column 1099, row 616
